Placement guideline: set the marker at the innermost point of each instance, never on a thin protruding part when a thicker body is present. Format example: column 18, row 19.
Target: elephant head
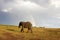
column 20, row 24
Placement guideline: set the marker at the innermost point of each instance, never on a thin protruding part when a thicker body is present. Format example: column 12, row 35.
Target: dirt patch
column 1, row 38
column 35, row 39
column 9, row 36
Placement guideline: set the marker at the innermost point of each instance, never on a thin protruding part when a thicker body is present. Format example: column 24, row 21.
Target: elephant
column 25, row 25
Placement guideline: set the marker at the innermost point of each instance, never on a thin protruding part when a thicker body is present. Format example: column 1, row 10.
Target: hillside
column 8, row 32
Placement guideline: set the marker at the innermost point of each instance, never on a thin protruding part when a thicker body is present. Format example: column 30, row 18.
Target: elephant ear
column 21, row 24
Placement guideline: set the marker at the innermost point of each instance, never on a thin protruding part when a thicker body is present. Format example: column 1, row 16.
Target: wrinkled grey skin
column 25, row 25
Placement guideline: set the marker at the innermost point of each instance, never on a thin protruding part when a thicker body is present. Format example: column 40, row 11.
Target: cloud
column 6, row 10
column 43, row 3
column 39, row 12
column 20, row 9
column 56, row 3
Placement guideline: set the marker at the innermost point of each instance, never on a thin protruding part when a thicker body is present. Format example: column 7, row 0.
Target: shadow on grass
column 11, row 30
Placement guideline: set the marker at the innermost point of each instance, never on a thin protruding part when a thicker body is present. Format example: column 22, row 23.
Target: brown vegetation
column 13, row 33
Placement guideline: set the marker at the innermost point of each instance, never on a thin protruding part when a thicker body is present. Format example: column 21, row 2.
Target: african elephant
column 25, row 25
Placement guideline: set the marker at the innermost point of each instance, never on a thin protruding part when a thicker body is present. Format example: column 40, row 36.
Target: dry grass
column 13, row 33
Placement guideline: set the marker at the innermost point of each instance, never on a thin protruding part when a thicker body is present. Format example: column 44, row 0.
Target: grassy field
column 13, row 33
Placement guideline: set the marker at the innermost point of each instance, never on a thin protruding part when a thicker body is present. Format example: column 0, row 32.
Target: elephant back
column 27, row 24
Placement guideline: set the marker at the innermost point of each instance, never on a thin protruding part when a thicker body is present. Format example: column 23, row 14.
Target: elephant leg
column 22, row 30
column 29, row 30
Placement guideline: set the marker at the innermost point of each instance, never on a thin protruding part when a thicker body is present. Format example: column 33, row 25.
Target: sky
column 41, row 13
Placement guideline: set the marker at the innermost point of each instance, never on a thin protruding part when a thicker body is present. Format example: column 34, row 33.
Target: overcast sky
column 39, row 12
